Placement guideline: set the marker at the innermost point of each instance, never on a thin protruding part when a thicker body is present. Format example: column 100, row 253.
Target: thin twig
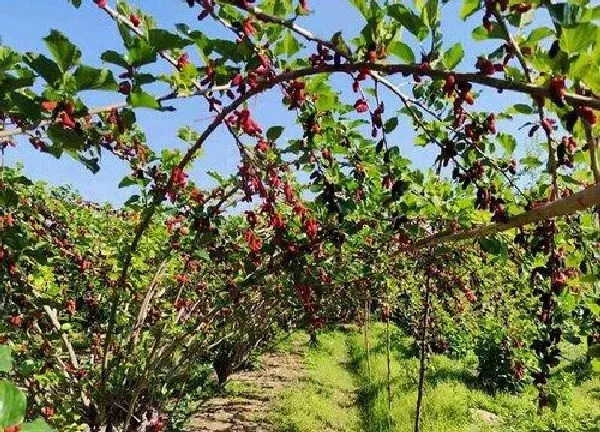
column 552, row 165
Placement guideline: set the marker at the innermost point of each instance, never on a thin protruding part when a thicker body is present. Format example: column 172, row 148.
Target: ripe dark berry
column 557, row 90
column 125, row 87
column 182, row 61
column 490, row 123
column 361, row 106
column 135, row 20
column 16, row 321
column 548, row 126
column 587, row 114
column 449, row 85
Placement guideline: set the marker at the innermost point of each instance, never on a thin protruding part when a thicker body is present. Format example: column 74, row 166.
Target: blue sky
column 24, row 27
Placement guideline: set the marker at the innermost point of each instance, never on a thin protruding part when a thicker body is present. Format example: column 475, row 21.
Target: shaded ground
column 249, row 395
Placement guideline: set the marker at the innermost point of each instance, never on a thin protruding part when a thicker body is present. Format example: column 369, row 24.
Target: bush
column 13, row 403
column 498, row 369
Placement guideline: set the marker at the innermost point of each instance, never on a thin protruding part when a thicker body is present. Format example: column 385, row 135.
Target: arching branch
column 582, row 200
column 300, row 73
column 572, row 99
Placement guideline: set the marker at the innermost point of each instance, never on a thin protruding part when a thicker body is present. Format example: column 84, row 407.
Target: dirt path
column 245, row 408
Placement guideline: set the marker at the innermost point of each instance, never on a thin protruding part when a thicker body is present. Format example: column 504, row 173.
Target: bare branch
column 53, row 315
column 143, row 313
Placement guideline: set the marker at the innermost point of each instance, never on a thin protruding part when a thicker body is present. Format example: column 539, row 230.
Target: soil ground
column 249, row 394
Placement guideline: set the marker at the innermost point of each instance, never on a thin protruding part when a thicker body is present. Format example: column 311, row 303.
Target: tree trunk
column 422, row 366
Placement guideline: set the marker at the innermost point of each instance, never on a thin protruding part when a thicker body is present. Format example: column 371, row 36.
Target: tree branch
column 580, row 201
column 52, row 314
column 8, row 133
column 409, row 69
column 592, row 144
column 552, row 165
column 143, row 313
column 300, row 73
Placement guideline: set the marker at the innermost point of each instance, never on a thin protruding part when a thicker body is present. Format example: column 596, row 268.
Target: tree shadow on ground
column 443, row 374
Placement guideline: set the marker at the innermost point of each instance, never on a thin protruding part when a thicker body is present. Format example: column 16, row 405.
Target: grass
column 325, row 401
column 338, row 369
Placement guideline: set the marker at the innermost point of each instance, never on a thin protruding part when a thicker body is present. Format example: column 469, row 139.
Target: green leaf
column 128, row 181
column 469, row 7
column 409, row 20
column 539, row 33
column 327, row 97
column 592, row 78
column 584, row 64
column 10, row 83
column 492, row 245
column 201, row 253
column 140, row 53
column 143, row 100
column 362, row 7
column 521, row 109
column 578, row 37
column 163, row 40
column 143, row 78
column 12, row 404
column 531, row 162
column 561, row 13
column 5, row 359
column 67, row 138
column 508, row 143
column 231, row 50
column 402, row 51
column 288, row 45
column 391, row 124
column 114, row 57
column 520, row 20
column 44, row 67
column 453, row 56
column 38, row 425
column 188, row 134
column 64, row 52
column 131, row 201
column 88, row 78
column 480, row 33
column 8, row 58
column 592, row 14
column 26, row 105
column 274, row 132
column 203, row 43
column 89, row 163
column 280, row 7
column 430, row 13
column 8, row 197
